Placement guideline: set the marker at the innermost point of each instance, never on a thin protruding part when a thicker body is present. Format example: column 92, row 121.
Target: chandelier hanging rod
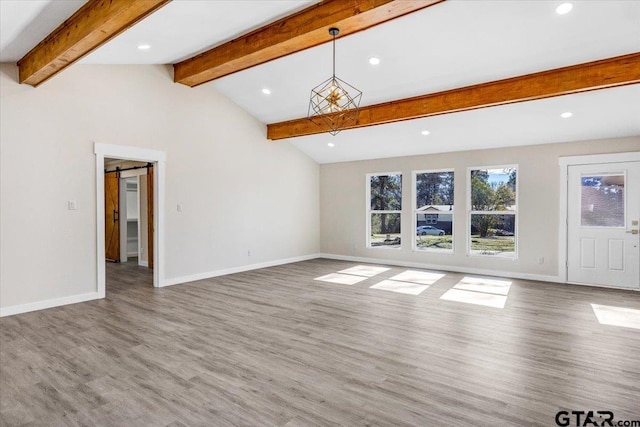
column 334, row 32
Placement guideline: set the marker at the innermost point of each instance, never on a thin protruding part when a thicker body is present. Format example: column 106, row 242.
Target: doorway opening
column 130, row 223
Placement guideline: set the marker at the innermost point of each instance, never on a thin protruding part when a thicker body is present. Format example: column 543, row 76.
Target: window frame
column 369, row 211
column 414, row 212
column 515, row 213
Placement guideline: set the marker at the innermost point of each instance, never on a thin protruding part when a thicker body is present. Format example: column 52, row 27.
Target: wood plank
column 112, row 216
column 94, row 24
column 294, row 33
column 274, row 347
column 603, row 74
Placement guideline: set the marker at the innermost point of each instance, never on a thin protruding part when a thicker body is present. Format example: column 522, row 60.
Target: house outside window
column 433, row 210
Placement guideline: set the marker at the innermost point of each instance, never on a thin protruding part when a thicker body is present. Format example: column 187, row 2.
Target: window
column 602, row 201
column 431, row 219
column 384, row 195
column 493, row 205
column 433, row 210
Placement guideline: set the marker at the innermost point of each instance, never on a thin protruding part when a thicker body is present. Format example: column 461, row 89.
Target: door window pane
column 602, row 201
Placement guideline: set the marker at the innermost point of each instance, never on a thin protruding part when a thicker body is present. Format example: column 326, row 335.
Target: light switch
column 72, row 205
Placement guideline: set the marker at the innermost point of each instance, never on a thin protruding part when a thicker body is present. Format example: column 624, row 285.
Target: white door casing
column 137, row 154
column 603, row 210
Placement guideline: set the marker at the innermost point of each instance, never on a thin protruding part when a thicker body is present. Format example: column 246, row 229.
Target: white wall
column 343, row 204
column 238, row 190
column 132, row 216
column 132, row 198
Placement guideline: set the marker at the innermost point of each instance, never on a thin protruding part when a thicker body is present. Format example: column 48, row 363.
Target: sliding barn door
column 150, row 234
column 112, row 216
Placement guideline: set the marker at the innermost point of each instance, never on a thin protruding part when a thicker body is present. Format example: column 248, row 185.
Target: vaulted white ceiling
column 449, row 45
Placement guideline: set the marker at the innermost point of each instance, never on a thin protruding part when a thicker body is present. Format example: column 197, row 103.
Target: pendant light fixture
column 334, row 102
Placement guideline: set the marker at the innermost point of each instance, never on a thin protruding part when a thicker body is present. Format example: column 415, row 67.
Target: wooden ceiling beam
column 294, row 33
column 94, row 24
column 603, row 74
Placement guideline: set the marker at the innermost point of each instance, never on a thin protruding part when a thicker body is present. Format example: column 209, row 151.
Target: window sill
column 434, row 251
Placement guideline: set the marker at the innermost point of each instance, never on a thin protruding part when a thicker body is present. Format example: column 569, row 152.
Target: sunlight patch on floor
column 479, row 291
column 419, row 277
column 481, row 284
column 364, row 270
column 341, row 279
column 409, row 282
column 400, row 287
column 617, row 316
column 353, row 275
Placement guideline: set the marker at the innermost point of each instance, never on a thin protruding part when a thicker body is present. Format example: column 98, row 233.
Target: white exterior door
column 603, row 213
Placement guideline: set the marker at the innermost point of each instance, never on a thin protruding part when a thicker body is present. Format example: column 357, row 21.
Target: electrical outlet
column 541, row 260
column 179, row 207
column 249, row 252
column 72, row 205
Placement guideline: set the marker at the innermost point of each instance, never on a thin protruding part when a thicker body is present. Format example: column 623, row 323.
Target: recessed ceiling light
column 331, row 144
column 374, row 61
column 266, row 91
column 144, row 46
column 566, row 114
column 425, row 132
column 564, row 8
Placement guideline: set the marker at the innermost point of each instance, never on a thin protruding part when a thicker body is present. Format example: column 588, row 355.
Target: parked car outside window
column 425, row 230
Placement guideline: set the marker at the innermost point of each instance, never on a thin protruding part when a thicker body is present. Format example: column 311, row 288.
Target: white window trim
column 368, row 211
column 414, row 212
column 472, row 212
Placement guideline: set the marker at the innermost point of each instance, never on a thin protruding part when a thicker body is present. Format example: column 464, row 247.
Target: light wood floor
column 276, row 347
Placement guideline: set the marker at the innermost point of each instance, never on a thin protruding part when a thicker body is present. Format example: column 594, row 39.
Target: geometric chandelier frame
column 334, row 102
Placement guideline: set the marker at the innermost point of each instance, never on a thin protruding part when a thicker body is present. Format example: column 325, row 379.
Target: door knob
column 632, row 231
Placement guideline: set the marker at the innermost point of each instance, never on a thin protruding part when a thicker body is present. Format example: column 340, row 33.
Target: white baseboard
column 243, row 268
column 620, row 288
column 41, row 305
column 143, row 263
column 455, row 269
